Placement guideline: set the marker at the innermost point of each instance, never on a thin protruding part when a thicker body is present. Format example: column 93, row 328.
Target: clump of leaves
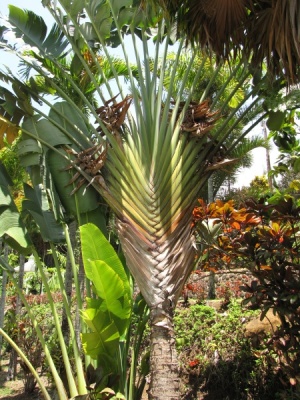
column 264, row 237
column 22, row 331
column 218, row 360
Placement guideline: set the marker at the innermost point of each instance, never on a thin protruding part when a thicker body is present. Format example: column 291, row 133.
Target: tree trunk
column 13, row 360
column 268, row 160
column 3, row 298
column 211, row 286
column 163, row 355
column 212, row 281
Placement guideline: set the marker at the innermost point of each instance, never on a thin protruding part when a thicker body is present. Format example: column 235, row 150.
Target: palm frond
column 33, row 30
column 213, row 23
column 273, row 34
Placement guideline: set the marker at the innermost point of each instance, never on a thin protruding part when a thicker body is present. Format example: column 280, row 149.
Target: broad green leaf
column 29, row 151
column 11, row 224
column 76, row 65
column 109, row 287
column 117, row 5
column 296, row 165
column 36, row 203
column 96, row 217
column 93, row 347
column 69, row 118
column 99, row 10
column 27, row 25
column 102, row 341
column 275, row 120
column 104, row 28
column 46, row 131
column 5, row 197
column 73, row 7
column 29, row 145
column 51, row 134
column 125, row 16
column 96, row 247
column 95, row 319
column 33, row 30
column 30, row 159
column 104, row 268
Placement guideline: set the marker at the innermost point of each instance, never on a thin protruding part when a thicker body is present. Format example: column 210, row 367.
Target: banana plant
column 108, row 314
column 147, row 151
column 18, row 237
column 108, row 317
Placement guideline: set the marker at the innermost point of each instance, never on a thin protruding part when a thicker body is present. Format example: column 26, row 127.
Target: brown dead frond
column 274, row 35
column 90, row 161
column 198, row 119
column 113, row 114
column 221, row 164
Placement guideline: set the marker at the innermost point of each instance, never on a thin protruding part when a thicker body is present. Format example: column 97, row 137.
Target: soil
column 14, row 390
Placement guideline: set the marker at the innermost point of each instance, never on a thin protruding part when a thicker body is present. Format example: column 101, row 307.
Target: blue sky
column 35, row 5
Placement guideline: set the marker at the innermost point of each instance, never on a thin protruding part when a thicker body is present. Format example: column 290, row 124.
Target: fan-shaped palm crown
column 266, row 29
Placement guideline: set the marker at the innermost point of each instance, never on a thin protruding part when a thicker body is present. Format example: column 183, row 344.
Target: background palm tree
column 266, row 30
column 149, row 166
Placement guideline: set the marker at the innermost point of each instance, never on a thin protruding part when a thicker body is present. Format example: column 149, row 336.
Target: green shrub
column 22, row 331
column 217, row 359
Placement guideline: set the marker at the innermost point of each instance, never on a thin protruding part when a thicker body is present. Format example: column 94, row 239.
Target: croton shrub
column 262, row 236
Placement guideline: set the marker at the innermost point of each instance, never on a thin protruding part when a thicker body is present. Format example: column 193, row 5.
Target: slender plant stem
column 78, row 362
column 65, row 356
column 58, row 382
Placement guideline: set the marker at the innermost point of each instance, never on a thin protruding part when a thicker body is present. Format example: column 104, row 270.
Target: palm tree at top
column 266, row 30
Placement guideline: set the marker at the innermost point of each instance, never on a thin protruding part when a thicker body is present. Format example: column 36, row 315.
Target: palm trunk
column 163, row 355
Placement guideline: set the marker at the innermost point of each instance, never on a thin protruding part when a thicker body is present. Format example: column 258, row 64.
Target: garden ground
column 14, row 390
column 239, row 372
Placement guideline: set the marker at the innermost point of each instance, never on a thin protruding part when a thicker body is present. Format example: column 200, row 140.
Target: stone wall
column 226, row 282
